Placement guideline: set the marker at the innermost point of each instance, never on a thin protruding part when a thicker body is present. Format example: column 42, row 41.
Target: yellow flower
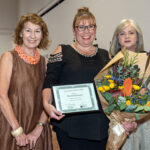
column 120, row 87
column 108, row 76
column 148, row 103
column 112, row 85
column 111, row 81
column 106, row 88
column 101, row 89
column 135, row 87
column 128, row 102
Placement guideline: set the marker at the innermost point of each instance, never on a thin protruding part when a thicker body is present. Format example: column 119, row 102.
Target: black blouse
column 70, row 67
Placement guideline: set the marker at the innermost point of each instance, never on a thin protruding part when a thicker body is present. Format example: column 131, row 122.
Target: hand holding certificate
column 75, row 98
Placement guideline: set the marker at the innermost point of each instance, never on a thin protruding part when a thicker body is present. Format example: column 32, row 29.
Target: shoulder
column 57, row 50
column 104, row 55
column 56, row 55
column 103, row 51
column 61, row 48
column 6, row 57
column 6, row 63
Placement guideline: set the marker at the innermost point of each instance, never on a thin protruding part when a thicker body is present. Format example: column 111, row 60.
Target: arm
column 47, row 93
column 6, row 64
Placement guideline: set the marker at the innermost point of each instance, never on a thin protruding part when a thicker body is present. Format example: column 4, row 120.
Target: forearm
column 47, row 96
column 8, row 112
column 43, row 118
column 17, row 131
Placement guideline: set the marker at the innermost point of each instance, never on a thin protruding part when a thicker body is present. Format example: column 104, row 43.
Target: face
column 85, row 35
column 31, row 35
column 128, row 38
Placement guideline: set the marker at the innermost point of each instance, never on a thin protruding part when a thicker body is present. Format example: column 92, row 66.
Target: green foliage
column 146, row 108
column 110, row 108
column 129, row 62
column 105, row 82
column 108, row 96
column 122, row 106
column 139, row 108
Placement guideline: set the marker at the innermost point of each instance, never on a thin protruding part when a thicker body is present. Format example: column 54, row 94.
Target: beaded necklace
column 31, row 60
column 83, row 53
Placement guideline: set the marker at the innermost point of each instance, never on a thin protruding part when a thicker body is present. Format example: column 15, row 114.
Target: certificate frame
column 75, row 98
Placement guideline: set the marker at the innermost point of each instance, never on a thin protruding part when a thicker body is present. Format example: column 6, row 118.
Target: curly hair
column 35, row 19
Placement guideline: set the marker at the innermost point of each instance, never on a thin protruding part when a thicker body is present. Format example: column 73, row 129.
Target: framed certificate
column 75, row 98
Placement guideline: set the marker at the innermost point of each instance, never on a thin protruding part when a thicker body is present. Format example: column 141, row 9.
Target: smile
column 86, row 37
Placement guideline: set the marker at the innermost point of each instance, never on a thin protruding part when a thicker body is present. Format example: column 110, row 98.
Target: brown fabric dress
column 25, row 94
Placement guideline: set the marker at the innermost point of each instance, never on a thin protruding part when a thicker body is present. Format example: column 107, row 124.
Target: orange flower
column 127, row 90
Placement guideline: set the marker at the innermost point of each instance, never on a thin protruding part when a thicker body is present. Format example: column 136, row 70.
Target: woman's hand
column 50, row 109
column 21, row 140
column 129, row 126
column 34, row 135
column 53, row 112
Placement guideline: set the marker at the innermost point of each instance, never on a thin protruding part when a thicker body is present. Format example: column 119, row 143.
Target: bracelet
column 17, row 132
column 41, row 124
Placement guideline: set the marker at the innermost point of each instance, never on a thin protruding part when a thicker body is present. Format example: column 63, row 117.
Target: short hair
column 115, row 46
column 35, row 19
column 83, row 13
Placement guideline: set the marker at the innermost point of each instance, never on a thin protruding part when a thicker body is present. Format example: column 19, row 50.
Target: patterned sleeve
column 53, row 70
column 55, row 57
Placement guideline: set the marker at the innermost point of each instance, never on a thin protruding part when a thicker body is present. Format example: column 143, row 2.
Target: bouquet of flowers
column 123, row 88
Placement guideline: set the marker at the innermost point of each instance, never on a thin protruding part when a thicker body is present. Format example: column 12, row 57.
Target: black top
column 71, row 67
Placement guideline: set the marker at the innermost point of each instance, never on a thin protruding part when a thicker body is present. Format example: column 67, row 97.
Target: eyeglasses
column 82, row 28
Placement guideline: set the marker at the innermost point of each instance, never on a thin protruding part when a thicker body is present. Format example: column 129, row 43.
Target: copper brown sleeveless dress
column 25, row 94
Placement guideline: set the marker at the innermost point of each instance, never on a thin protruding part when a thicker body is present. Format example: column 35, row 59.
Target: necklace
column 31, row 60
column 79, row 51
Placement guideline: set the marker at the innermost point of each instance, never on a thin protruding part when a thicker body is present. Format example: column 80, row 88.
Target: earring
column 95, row 44
column 74, row 40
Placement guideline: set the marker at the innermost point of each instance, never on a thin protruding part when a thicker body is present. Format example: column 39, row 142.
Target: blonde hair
column 35, row 19
column 115, row 46
column 83, row 13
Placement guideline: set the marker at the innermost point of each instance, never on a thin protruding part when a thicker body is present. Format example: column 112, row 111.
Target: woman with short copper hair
column 23, row 122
